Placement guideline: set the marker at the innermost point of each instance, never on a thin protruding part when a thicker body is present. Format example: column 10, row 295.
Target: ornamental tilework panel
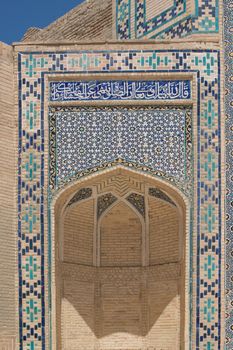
column 123, row 8
column 165, row 19
column 151, row 137
column 228, row 15
column 33, row 67
column 104, row 202
column 138, row 201
column 157, row 193
column 145, row 25
column 82, row 194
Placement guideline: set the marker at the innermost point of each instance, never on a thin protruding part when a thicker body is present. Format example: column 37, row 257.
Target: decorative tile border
column 145, row 26
column 123, row 15
column 120, row 90
column 32, row 70
column 204, row 19
column 228, row 41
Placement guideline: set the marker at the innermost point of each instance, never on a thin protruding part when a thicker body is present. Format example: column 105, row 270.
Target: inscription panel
column 120, row 90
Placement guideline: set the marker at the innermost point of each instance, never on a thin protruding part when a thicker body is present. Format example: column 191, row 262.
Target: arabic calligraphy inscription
column 120, row 90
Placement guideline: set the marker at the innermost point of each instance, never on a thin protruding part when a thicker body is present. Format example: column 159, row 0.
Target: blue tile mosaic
column 158, row 138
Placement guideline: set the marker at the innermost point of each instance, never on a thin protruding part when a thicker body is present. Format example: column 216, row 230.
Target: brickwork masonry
column 8, row 215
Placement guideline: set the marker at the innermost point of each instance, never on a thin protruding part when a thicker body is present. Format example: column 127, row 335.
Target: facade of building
column 116, row 179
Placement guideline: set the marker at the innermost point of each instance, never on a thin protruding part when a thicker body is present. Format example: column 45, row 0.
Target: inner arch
column 133, row 298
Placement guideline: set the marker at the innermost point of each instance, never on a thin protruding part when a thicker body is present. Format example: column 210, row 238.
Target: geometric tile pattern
column 228, row 15
column 104, row 202
column 205, row 66
column 138, row 201
column 167, row 22
column 167, row 14
column 82, row 194
column 123, row 15
column 153, row 137
column 156, row 192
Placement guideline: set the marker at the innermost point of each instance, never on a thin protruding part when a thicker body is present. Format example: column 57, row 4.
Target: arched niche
column 120, row 237
column 78, row 231
column 164, row 232
column 110, row 289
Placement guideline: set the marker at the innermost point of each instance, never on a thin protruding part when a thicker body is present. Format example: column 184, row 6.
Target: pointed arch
column 65, row 195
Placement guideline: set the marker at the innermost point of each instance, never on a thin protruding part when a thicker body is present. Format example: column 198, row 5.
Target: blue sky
column 18, row 15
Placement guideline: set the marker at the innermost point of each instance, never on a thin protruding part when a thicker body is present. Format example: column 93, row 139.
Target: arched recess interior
column 119, row 273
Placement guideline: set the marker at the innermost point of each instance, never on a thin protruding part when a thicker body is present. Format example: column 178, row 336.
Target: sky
column 16, row 16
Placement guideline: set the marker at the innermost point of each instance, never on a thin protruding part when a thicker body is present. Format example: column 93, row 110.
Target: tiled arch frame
column 33, row 71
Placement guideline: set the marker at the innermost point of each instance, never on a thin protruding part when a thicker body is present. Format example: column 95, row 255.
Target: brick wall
column 121, row 316
column 90, row 20
column 121, row 309
column 78, row 316
column 163, row 232
column 78, row 237
column 121, row 238
column 164, row 314
column 8, row 215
